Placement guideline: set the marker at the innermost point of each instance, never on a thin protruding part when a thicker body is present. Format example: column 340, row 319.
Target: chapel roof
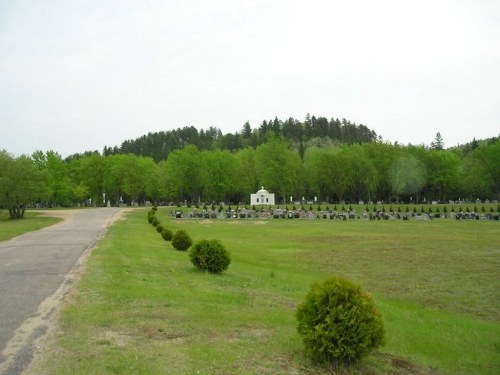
column 262, row 191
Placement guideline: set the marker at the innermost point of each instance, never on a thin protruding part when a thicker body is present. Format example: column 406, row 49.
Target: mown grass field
column 141, row 308
column 32, row 221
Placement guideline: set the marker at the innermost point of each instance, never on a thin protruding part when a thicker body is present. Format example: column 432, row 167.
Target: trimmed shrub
column 159, row 228
column 167, row 234
column 150, row 218
column 210, row 256
column 339, row 323
column 181, row 240
column 155, row 221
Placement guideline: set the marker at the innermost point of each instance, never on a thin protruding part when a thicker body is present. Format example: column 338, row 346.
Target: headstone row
column 327, row 215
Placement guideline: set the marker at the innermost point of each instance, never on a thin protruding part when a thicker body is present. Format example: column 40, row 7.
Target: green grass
column 32, row 221
column 141, row 308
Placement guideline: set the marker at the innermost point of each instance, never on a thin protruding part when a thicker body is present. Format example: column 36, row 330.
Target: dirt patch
column 61, row 214
column 260, row 222
column 114, row 338
column 401, row 366
column 162, row 335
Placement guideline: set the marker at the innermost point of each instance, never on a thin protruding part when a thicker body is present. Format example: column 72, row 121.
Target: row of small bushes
column 338, row 321
column 206, row 255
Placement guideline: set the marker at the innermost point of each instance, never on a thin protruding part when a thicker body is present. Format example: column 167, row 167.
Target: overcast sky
column 77, row 75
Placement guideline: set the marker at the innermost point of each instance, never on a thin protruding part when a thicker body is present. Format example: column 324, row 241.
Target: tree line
column 159, row 145
column 370, row 171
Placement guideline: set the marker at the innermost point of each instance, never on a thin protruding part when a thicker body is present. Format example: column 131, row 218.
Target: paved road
column 34, row 268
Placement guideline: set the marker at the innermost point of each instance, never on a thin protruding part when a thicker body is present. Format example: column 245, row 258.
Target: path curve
column 36, row 270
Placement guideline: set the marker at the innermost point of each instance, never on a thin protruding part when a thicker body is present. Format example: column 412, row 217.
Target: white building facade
column 262, row 197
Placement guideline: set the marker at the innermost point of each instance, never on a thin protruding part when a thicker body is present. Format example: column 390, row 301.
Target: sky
column 78, row 75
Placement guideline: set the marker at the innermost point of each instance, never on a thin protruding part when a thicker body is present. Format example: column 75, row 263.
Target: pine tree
column 438, row 143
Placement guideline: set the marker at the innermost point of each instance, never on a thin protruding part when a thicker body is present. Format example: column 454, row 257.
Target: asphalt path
column 35, row 269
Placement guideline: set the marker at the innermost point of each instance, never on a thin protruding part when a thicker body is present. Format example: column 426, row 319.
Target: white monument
column 262, row 197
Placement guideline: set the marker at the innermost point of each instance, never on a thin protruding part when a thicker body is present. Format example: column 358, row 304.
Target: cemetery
column 262, row 206
column 358, row 213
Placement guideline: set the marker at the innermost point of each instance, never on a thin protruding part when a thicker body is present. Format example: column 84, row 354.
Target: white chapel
column 262, row 197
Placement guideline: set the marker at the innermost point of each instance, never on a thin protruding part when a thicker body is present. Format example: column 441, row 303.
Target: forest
column 329, row 159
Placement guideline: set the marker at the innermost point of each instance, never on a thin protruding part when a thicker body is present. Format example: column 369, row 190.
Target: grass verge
column 32, row 221
column 141, row 308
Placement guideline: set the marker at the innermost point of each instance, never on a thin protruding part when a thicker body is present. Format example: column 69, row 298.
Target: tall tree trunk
column 17, row 212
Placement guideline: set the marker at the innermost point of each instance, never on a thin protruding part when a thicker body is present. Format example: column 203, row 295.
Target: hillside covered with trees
column 331, row 160
column 160, row 144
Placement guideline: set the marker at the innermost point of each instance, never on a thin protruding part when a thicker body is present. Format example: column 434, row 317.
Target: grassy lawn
column 141, row 308
column 32, row 221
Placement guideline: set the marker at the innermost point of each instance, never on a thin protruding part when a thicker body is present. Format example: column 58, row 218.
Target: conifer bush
column 155, row 221
column 210, row 256
column 181, row 240
column 167, row 234
column 339, row 322
column 159, row 228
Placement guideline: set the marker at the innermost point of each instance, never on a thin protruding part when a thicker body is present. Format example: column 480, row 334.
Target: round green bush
column 181, row 240
column 210, row 256
column 159, row 228
column 151, row 215
column 339, row 323
column 155, row 221
column 167, row 234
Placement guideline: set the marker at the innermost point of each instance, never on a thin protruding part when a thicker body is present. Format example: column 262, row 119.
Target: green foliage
column 181, row 240
column 167, row 234
column 210, row 256
column 159, row 228
column 21, row 181
column 195, row 169
column 339, row 323
column 155, row 221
